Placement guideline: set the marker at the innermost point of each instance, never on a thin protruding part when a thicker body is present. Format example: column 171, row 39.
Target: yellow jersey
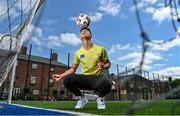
column 89, row 59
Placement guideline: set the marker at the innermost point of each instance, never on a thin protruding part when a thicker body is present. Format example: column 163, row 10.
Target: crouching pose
column 93, row 59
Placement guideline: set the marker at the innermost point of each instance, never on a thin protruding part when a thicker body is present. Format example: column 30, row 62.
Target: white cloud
column 25, row 5
column 3, row 8
column 96, row 17
column 7, row 41
column 15, row 10
column 107, row 7
column 133, row 59
column 15, row 14
column 49, row 22
column 178, row 31
column 118, row 47
column 70, row 39
column 165, row 46
column 143, row 4
column 151, row 57
column 132, row 65
column 150, row 1
column 34, row 33
column 170, row 54
column 36, row 41
column 130, row 56
column 150, row 10
column 170, row 71
column 110, row 7
column 66, row 38
column 161, row 14
column 139, row 6
column 156, row 9
column 54, row 41
column 124, row 48
column 159, row 65
column 72, row 18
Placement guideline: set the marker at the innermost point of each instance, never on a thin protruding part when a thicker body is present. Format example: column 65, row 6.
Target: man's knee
column 105, row 87
column 108, row 85
column 107, row 82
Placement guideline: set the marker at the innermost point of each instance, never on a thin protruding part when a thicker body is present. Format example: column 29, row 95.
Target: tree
column 175, row 83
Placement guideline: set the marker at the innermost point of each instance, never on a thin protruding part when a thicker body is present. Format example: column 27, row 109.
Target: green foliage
column 175, row 83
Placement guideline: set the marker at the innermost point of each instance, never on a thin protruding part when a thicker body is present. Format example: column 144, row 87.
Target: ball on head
column 83, row 20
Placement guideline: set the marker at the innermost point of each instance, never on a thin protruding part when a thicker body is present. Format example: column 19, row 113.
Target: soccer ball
column 83, row 21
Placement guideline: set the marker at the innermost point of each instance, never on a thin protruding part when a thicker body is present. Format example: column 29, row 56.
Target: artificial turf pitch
column 161, row 107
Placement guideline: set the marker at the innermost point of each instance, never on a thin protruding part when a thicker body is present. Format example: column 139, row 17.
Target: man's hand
column 57, row 77
column 100, row 65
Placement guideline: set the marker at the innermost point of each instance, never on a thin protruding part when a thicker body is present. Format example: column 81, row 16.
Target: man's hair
column 86, row 29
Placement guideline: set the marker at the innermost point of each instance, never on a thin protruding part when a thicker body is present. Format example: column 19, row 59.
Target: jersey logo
column 82, row 56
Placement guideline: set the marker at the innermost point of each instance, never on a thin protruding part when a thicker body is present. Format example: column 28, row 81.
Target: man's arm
column 104, row 62
column 72, row 70
column 107, row 65
column 104, row 65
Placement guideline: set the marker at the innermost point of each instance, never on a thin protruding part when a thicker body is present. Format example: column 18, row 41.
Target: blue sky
column 113, row 25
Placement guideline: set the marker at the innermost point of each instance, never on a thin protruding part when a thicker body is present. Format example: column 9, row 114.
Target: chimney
column 23, row 50
column 54, row 56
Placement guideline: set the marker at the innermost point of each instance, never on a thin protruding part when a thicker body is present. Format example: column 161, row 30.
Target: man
column 93, row 59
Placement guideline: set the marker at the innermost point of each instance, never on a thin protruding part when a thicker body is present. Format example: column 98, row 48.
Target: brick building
column 135, row 86
column 32, row 82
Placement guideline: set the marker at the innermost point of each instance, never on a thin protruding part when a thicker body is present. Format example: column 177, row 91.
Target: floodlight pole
column 50, row 61
column 68, row 69
column 118, row 88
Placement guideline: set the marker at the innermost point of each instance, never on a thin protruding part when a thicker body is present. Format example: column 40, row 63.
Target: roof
column 39, row 59
column 130, row 76
column 33, row 58
column 3, row 52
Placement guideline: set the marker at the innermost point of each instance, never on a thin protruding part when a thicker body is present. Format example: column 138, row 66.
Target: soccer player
column 93, row 59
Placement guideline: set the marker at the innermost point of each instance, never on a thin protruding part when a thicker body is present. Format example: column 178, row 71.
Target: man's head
column 85, row 33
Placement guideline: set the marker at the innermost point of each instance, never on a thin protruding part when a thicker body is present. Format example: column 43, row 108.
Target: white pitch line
column 60, row 111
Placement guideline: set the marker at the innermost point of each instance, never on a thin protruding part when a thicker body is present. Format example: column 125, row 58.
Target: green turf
column 163, row 107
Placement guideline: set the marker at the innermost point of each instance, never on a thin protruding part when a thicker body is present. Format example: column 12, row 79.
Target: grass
column 162, row 107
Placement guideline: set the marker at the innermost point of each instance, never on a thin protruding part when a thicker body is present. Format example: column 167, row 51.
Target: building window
column 50, row 81
column 61, row 92
column 35, row 92
column 34, row 66
column 33, row 80
column 16, row 91
column 6, row 90
column 52, row 69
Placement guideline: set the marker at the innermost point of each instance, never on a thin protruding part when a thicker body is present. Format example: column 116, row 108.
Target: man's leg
column 70, row 83
column 103, row 88
column 76, row 82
